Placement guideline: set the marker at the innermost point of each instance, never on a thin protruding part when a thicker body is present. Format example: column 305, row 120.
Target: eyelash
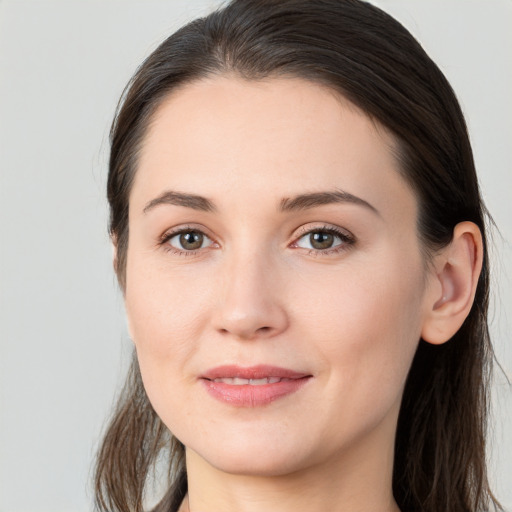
column 166, row 237
column 347, row 240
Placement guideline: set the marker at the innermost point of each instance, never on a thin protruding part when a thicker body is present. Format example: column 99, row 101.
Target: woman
column 301, row 246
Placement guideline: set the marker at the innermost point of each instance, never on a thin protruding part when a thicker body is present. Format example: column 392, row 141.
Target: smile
column 236, row 381
column 252, row 387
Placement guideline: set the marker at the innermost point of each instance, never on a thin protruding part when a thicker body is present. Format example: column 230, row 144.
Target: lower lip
column 247, row 395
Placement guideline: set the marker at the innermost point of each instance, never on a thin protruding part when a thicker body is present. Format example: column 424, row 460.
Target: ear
column 454, row 279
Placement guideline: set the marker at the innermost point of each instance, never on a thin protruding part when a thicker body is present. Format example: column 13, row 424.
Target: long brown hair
column 368, row 57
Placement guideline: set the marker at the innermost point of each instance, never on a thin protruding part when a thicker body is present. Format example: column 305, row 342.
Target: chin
column 267, row 465
column 243, row 457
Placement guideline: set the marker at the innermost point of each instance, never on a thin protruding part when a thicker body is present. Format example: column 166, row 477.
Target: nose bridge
column 250, row 303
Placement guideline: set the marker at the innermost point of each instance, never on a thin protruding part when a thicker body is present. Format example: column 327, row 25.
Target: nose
column 250, row 300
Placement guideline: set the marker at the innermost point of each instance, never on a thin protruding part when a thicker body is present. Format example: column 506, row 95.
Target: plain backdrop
column 64, row 344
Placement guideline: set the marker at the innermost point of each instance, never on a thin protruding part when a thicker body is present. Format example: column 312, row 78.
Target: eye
column 188, row 240
column 324, row 239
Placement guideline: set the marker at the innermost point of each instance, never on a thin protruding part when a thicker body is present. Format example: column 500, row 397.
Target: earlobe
column 457, row 269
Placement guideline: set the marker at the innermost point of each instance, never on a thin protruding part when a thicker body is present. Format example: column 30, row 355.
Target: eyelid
column 178, row 235
column 346, row 237
column 322, row 226
column 163, row 240
column 184, row 228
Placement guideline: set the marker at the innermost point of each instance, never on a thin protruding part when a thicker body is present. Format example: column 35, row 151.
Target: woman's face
column 273, row 239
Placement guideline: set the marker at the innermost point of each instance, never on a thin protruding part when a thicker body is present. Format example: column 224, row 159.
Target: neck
column 358, row 480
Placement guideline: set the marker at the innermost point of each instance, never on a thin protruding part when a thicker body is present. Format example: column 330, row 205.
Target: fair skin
column 333, row 287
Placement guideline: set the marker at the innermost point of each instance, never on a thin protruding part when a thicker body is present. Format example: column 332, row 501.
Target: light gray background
column 64, row 345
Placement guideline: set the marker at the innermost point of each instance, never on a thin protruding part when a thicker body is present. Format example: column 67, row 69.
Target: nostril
column 247, row 334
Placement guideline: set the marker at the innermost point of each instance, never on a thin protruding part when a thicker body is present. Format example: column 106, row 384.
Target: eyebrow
column 312, row 200
column 179, row 199
column 297, row 203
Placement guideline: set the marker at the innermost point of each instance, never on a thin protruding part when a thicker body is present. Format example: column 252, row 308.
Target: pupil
column 191, row 240
column 321, row 240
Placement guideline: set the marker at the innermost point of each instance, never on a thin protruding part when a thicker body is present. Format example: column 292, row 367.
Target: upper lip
column 261, row 371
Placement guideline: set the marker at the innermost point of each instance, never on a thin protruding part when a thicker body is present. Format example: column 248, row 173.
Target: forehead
column 278, row 137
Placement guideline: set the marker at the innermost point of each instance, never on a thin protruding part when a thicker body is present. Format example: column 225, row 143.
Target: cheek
column 367, row 320
column 165, row 311
column 166, row 318
column 369, row 295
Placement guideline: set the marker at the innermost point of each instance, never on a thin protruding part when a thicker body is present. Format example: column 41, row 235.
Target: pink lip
column 249, row 395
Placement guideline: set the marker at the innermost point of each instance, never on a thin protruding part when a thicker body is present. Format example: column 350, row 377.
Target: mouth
column 252, row 386
column 237, row 381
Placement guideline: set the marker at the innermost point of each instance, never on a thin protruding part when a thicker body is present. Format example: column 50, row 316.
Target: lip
column 252, row 394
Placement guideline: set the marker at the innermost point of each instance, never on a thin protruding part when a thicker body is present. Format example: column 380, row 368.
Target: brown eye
column 321, row 240
column 189, row 240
